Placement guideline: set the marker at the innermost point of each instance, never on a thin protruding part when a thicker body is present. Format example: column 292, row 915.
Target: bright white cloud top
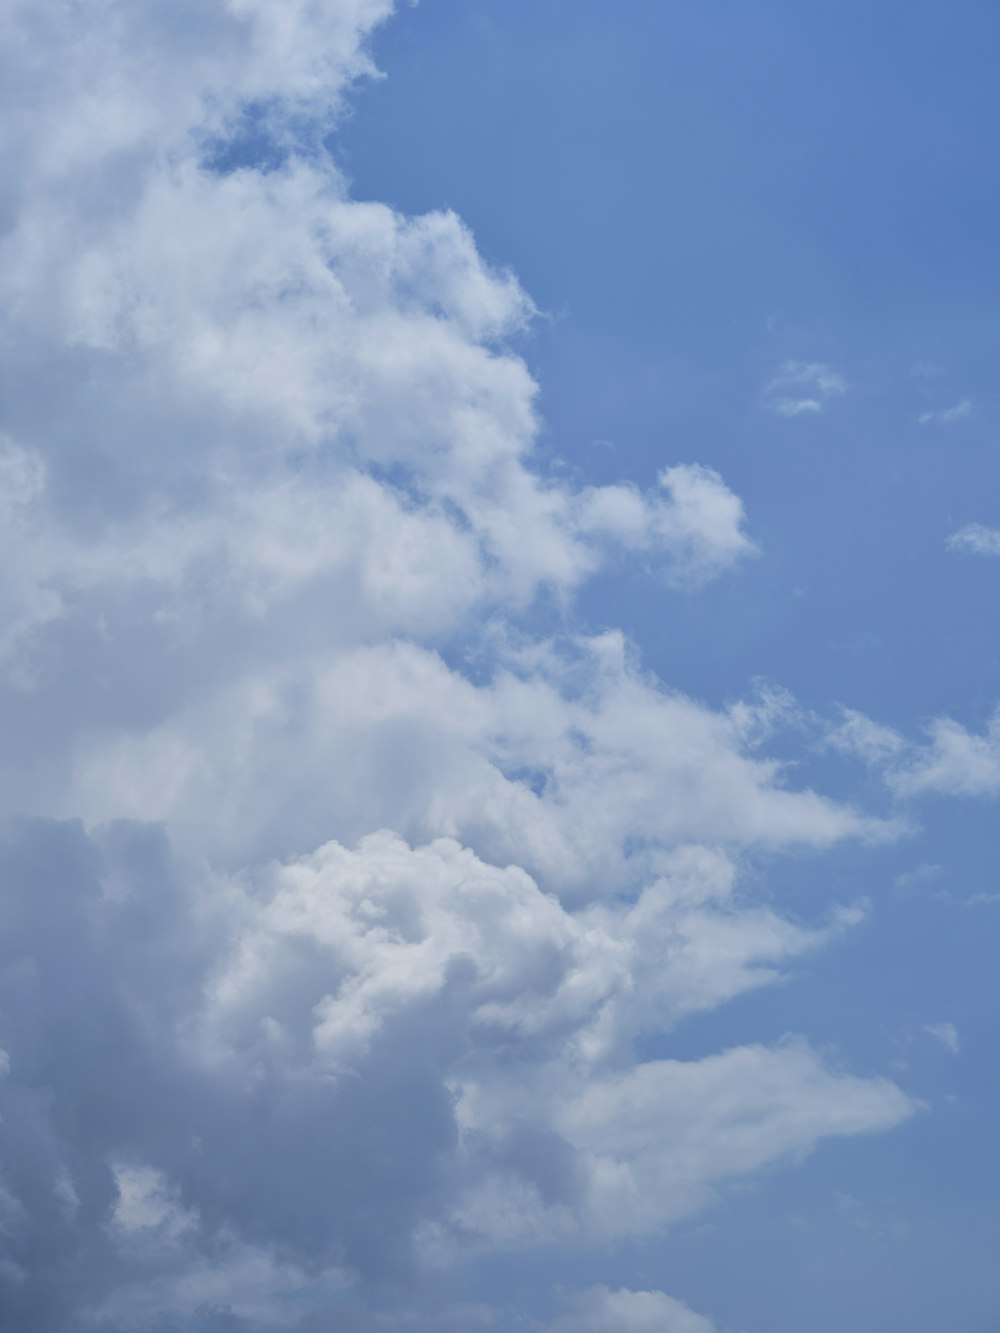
column 344, row 979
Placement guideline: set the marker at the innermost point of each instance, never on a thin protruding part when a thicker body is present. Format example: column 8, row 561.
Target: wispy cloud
column 947, row 416
column 861, row 736
column 920, row 875
column 803, row 388
column 950, row 761
column 694, row 527
column 946, row 1034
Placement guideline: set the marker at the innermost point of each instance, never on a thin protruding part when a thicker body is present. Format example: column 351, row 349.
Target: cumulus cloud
column 567, row 760
column 297, row 1079
column 355, row 844
column 288, row 351
column 977, row 539
column 803, row 388
column 697, row 526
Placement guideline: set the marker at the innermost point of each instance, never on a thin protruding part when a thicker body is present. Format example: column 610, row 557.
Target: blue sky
column 694, row 194
column 498, row 804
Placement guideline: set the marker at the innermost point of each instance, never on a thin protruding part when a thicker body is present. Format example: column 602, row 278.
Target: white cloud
column 946, row 1034
column 560, row 762
column 947, row 416
column 803, row 388
column 330, row 339
column 653, row 1142
column 600, row 1310
column 312, row 1060
column 859, row 735
column 920, row 875
column 698, row 526
column 977, row 539
column 598, row 975
column 951, row 761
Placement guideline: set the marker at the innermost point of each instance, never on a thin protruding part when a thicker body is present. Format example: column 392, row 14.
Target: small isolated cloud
column 909, row 878
column 694, row 528
column 803, row 387
column 977, row 539
column 599, row 1310
column 946, row 1034
column 947, row 416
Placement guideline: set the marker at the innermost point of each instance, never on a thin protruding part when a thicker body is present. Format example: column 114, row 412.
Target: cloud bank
column 344, row 900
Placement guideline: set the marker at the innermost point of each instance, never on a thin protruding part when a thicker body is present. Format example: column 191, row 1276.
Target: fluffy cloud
column 859, row 735
column 567, row 760
column 299, row 1079
column 239, row 377
column 699, row 523
column 803, row 387
column 954, row 761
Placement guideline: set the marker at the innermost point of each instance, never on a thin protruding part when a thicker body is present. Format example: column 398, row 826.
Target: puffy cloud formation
column 302, row 1077
column 271, row 511
column 560, row 761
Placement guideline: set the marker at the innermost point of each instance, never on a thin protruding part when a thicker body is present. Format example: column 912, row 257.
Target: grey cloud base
column 305, row 1080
